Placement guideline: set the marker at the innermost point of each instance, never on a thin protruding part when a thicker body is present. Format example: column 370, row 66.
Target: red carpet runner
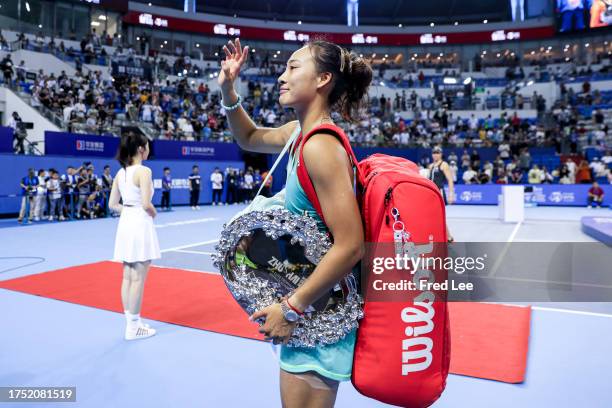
column 487, row 341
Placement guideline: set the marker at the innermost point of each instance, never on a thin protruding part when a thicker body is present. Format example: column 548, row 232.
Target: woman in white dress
column 136, row 242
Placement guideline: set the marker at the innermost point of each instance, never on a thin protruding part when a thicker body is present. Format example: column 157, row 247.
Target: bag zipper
column 388, row 196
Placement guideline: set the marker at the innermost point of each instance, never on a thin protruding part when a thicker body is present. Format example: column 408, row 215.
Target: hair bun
column 359, row 77
column 352, row 73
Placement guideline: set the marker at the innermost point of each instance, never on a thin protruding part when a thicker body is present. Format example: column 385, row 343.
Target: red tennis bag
column 402, row 353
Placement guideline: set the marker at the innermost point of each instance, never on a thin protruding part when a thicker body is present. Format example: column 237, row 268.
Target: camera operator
column 28, row 187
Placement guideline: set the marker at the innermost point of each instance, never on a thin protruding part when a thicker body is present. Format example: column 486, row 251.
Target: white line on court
column 211, row 241
column 500, row 258
column 187, row 222
column 514, row 231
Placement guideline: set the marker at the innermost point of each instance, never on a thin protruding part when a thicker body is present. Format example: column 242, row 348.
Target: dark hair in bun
column 351, row 76
column 130, row 142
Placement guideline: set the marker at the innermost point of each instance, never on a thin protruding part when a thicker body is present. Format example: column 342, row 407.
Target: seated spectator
column 502, row 178
column 470, row 176
column 583, row 174
column 547, row 178
column 596, row 195
column 598, row 168
column 535, row 175
column 516, row 177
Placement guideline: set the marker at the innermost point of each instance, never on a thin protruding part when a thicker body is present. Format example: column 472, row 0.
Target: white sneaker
column 139, row 332
column 36, row 219
column 51, row 218
column 197, row 207
column 193, row 208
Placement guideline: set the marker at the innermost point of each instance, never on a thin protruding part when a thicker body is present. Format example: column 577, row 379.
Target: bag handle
column 290, row 142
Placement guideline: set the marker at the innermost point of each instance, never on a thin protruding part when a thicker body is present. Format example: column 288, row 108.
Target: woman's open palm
column 235, row 57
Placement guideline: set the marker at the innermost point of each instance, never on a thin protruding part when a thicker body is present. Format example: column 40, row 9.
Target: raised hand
column 235, row 57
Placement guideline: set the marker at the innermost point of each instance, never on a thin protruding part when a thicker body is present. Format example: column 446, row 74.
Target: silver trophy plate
column 264, row 256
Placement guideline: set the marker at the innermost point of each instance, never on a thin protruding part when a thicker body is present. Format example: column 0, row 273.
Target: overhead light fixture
column 456, row 23
column 449, row 80
column 485, row 21
column 95, row 23
column 400, row 25
column 102, row 17
column 300, row 22
column 467, row 81
column 431, row 24
column 28, row 6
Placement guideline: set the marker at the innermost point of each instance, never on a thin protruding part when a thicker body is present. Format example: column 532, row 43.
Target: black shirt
column 437, row 175
column 194, row 181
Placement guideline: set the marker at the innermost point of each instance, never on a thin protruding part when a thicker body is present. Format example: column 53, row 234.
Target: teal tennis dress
column 333, row 361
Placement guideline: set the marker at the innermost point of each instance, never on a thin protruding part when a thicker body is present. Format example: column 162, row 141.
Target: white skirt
column 136, row 239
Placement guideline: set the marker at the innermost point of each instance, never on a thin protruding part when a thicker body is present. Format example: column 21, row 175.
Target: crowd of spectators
column 81, row 193
column 518, row 167
column 187, row 109
column 78, row 193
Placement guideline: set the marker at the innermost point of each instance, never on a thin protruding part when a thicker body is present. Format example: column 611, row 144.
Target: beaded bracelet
column 234, row 106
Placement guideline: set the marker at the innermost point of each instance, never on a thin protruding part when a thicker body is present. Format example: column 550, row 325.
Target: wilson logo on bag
column 402, row 353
